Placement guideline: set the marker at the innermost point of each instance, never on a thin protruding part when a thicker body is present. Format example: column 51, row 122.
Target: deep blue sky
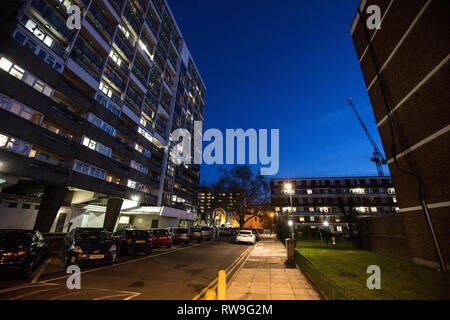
column 287, row 64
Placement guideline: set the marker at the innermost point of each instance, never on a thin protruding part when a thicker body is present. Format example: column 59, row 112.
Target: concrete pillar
column 112, row 213
column 51, row 201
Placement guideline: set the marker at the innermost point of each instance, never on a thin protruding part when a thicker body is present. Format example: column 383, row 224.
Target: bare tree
column 347, row 205
column 248, row 188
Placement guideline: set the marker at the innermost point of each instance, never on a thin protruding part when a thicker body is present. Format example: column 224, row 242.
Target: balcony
column 158, row 6
column 132, row 21
column 152, row 25
column 123, row 47
column 114, row 78
column 89, row 53
column 134, row 97
column 101, row 20
column 53, row 18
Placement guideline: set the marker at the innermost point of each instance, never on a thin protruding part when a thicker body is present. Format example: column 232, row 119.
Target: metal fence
column 328, row 288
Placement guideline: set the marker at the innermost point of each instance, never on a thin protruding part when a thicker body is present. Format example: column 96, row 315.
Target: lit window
column 5, row 64
column 339, row 228
column 309, row 191
column 373, row 209
column 302, row 219
column 311, row 209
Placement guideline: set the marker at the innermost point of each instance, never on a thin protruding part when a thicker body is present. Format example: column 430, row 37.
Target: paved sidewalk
column 263, row 276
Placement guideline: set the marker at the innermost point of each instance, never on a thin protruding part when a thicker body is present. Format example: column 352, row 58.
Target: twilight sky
column 288, row 65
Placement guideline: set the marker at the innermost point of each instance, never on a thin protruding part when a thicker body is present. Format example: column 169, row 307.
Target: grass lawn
column 346, row 266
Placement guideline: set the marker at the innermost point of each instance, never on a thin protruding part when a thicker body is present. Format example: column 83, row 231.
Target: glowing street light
column 325, row 223
column 290, row 223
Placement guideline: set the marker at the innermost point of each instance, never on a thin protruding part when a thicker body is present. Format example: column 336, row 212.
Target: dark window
column 12, row 205
column 26, row 206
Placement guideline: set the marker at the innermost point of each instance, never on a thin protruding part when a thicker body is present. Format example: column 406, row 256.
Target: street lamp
column 289, row 190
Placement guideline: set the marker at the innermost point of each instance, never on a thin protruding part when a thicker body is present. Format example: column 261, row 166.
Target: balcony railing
column 90, row 68
column 96, row 13
column 96, row 59
column 123, row 47
column 141, row 69
column 53, row 18
column 132, row 21
column 134, row 97
column 158, row 5
column 151, row 24
column 111, row 75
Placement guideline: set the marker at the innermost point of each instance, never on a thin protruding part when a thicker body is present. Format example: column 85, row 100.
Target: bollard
column 290, row 248
column 222, row 285
column 210, row 295
column 334, row 240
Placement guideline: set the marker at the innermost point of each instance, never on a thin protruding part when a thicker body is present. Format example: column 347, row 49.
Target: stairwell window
column 21, row 74
column 20, row 109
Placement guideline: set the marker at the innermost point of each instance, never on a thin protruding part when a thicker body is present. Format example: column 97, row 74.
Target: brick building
column 406, row 69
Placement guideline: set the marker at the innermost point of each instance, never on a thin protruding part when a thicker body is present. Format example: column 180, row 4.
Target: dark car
column 88, row 246
column 196, row 234
column 21, row 250
column 181, row 235
column 161, row 238
column 206, row 233
column 132, row 241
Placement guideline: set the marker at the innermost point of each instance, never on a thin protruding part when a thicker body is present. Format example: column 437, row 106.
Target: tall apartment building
column 323, row 199
column 406, row 68
column 86, row 115
column 216, row 205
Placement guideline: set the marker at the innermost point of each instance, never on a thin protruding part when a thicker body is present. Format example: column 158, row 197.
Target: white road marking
column 31, row 293
column 40, row 270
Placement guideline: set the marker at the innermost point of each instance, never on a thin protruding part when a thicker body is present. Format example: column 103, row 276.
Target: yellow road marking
column 228, row 270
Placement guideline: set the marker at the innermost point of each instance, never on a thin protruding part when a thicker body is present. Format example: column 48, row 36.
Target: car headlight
column 77, row 249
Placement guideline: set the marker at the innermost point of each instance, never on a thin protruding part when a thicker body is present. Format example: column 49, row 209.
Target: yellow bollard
column 210, row 295
column 334, row 240
column 222, row 286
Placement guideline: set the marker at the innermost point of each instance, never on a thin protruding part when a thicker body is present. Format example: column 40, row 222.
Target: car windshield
column 181, row 231
column 16, row 235
column 197, row 229
column 160, row 231
column 91, row 235
column 136, row 234
column 245, row 232
column 206, row 228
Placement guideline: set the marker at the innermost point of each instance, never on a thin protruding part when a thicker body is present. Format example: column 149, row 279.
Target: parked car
column 196, row 234
column 161, row 238
column 21, row 250
column 246, row 236
column 88, row 246
column 206, row 233
column 181, row 235
column 132, row 241
column 256, row 233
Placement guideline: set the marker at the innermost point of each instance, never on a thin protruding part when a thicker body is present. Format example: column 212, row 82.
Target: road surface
column 180, row 272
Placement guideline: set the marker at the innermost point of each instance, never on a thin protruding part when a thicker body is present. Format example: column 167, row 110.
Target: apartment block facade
column 86, row 115
column 406, row 68
column 322, row 200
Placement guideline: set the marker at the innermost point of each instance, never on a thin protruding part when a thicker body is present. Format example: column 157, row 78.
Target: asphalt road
column 180, row 272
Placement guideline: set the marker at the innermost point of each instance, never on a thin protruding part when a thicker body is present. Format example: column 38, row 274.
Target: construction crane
column 377, row 157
